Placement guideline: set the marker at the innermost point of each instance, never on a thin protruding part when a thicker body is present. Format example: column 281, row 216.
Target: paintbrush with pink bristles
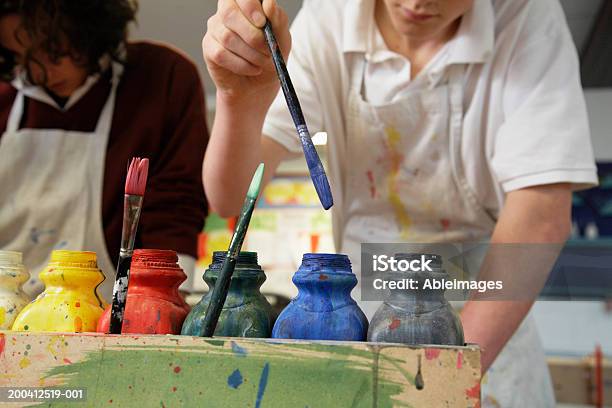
column 135, row 185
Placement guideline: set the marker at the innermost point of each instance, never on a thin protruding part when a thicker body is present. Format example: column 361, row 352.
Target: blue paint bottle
column 323, row 308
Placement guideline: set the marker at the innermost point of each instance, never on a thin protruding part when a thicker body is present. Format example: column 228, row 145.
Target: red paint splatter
column 67, row 361
column 372, row 184
column 77, row 304
column 173, row 389
column 459, row 360
column 2, row 343
column 177, row 369
column 432, row 353
column 110, row 401
column 445, row 223
column 395, row 323
column 473, row 392
column 78, row 324
column 323, row 277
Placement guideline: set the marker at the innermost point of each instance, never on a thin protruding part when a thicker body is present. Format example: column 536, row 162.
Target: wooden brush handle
column 283, row 75
column 217, row 299
column 120, row 294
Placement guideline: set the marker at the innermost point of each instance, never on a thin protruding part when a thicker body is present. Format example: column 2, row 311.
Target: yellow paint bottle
column 70, row 302
column 12, row 276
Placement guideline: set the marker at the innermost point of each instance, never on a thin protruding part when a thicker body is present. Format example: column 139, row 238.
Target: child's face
column 424, row 19
column 62, row 77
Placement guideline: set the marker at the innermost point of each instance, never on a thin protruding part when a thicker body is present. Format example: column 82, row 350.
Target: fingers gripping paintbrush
column 219, row 293
column 132, row 204
column 317, row 172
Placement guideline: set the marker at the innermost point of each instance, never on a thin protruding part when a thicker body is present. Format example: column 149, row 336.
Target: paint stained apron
column 52, row 188
column 405, row 183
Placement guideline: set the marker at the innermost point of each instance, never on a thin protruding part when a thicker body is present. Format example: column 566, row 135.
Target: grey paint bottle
column 420, row 316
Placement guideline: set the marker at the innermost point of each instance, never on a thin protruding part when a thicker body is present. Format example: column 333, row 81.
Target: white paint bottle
column 12, row 298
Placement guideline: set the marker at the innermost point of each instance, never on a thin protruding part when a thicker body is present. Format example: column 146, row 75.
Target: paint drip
column 323, row 308
column 70, row 301
column 153, row 305
column 12, row 298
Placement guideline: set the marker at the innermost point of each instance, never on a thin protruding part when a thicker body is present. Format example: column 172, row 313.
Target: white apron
column 52, row 188
column 405, row 183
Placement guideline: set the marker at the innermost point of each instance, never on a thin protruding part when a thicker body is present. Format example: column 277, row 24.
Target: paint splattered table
column 173, row 371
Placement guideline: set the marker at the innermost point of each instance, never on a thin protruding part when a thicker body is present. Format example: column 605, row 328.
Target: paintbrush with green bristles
column 219, row 292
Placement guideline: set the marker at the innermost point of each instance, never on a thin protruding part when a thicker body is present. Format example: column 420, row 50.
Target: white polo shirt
column 525, row 121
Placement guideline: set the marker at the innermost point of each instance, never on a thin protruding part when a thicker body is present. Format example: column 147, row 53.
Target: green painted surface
column 155, row 376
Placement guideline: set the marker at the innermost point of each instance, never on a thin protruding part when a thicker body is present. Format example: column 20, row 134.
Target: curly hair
column 85, row 30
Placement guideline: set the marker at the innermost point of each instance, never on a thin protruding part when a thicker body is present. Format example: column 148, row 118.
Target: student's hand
column 236, row 52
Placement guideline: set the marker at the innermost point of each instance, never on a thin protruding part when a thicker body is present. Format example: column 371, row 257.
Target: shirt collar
column 22, row 84
column 473, row 42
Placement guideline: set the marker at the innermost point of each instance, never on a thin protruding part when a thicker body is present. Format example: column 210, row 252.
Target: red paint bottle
column 154, row 305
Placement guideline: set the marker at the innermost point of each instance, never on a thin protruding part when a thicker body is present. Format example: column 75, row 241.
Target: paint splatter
column 2, row 316
column 235, row 379
column 78, row 324
column 445, row 223
column 372, row 183
column 432, row 353
column 67, row 361
column 2, row 343
column 459, row 360
column 173, row 389
column 323, row 277
column 263, row 381
column 395, row 323
column 239, row 351
column 24, row 362
column 177, row 369
column 473, row 392
column 396, row 158
column 77, row 304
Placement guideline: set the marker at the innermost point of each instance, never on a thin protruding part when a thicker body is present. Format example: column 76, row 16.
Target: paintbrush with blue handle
column 219, row 292
column 317, row 172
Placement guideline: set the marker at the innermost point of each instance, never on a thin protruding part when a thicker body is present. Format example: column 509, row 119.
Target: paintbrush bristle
column 323, row 190
column 256, row 182
column 136, row 181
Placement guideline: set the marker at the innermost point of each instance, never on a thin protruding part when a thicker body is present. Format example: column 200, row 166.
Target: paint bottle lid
column 11, row 259
column 74, row 259
column 155, row 258
column 435, row 260
column 244, row 257
column 339, row 261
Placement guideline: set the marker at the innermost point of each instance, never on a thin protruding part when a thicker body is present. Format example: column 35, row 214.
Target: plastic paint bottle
column 154, row 305
column 323, row 308
column 246, row 312
column 70, row 302
column 412, row 316
column 12, row 276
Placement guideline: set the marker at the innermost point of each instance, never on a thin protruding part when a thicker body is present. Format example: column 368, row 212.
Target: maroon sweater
column 159, row 114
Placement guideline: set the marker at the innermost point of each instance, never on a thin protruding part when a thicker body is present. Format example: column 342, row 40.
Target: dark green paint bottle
column 246, row 312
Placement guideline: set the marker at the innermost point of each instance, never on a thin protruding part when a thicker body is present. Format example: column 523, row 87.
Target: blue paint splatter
column 263, row 381
column 240, row 351
column 235, row 379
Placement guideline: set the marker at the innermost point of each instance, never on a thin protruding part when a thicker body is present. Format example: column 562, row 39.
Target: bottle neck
column 60, row 278
column 324, row 282
column 12, row 277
